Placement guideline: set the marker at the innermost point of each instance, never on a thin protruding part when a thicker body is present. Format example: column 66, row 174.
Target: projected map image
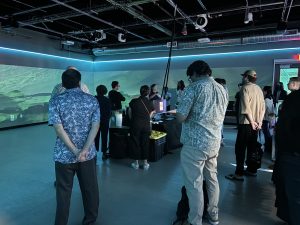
column 25, row 91
column 24, row 94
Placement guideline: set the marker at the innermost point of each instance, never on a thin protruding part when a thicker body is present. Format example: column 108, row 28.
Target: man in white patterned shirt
column 202, row 111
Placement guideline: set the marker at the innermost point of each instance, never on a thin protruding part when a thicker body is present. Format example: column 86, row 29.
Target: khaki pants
column 198, row 166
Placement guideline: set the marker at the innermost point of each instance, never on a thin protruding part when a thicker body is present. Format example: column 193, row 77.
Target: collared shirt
column 204, row 102
column 76, row 111
column 252, row 102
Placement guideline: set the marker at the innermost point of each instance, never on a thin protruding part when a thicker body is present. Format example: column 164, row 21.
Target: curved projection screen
column 24, row 94
column 25, row 91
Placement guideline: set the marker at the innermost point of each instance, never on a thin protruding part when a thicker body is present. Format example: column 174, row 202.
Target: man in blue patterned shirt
column 75, row 117
column 202, row 110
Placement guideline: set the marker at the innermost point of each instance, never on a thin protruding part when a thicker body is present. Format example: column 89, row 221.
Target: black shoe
column 250, row 174
column 104, row 156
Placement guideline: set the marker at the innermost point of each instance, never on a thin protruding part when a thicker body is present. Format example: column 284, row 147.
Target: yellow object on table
column 157, row 134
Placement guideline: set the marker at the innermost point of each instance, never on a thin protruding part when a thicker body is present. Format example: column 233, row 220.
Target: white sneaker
column 135, row 166
column 213, row 218
column 146, row 166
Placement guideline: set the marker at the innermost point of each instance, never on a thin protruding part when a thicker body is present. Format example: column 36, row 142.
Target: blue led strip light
column 156, row 58
column 42, row 54
column 203, row 55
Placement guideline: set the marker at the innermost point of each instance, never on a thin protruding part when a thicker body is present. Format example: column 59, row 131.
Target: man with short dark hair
column 251, row 114
column 294, row 84
column 105, row 113
column 75, row 117
column 201, row 110
column 115, row 96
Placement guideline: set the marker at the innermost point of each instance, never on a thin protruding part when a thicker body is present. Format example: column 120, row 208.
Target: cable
column 166, row 77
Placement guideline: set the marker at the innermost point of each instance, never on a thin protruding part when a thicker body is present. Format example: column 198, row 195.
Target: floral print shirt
column 76, row 111
column 204, row 102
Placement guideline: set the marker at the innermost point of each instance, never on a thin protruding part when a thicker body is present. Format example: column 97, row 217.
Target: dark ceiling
column 148, row 21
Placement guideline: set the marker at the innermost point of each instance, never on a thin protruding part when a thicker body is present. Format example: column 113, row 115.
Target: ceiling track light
column 184, row 29
column 201, row 22
column 121, row 37
column 99, row 35
column 248, row 17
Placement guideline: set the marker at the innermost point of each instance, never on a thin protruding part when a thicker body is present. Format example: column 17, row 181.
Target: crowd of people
column 79, row 119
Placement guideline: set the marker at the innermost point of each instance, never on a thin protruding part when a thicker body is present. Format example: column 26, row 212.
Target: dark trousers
column 87, row 177
column 267, row 135
column 104, row 127
column 246, row 139
column 139, row 146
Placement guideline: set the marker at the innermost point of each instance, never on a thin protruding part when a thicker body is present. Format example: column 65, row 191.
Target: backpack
column 183, row 207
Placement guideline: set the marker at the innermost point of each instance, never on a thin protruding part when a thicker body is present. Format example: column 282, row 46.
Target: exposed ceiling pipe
column 141, row 17
column 262, row 28
column 67, row 15
column 287, row 4
column 202, row 5
column 30, row 6
column 98, row 19
column 54, row 32
column 186, row 17
column 38, row 8
column 162, row 9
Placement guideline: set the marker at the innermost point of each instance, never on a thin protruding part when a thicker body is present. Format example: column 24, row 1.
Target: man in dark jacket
column 287, row 166
column 115, row 96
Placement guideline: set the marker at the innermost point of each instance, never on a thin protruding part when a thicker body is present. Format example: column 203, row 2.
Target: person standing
column 75, row 117
column 201, row 110
column 140, row 112
column 294, row 84
column 167, row 95
column 279, row 93
column 105, row 112
column 287, row 164
column 115, row 98
column 251, row 114
column 179, row 91
column 268, row 118
column 58, row 89
column 154, row 93
column 237, row 105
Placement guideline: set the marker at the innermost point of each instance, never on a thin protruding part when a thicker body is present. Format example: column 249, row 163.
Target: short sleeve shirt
column 76, row 111
column 204, row 102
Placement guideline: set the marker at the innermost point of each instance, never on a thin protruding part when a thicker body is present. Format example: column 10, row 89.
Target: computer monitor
column 160, row 106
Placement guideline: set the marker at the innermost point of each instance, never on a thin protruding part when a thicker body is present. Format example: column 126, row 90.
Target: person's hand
column 259, row 126
column 83, row 156
column 76, row 152
column 254, row 125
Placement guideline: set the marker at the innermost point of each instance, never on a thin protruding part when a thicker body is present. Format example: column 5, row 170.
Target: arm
column 89, row 141
column 185, row 105
column 121, row 97
column 62, row 134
